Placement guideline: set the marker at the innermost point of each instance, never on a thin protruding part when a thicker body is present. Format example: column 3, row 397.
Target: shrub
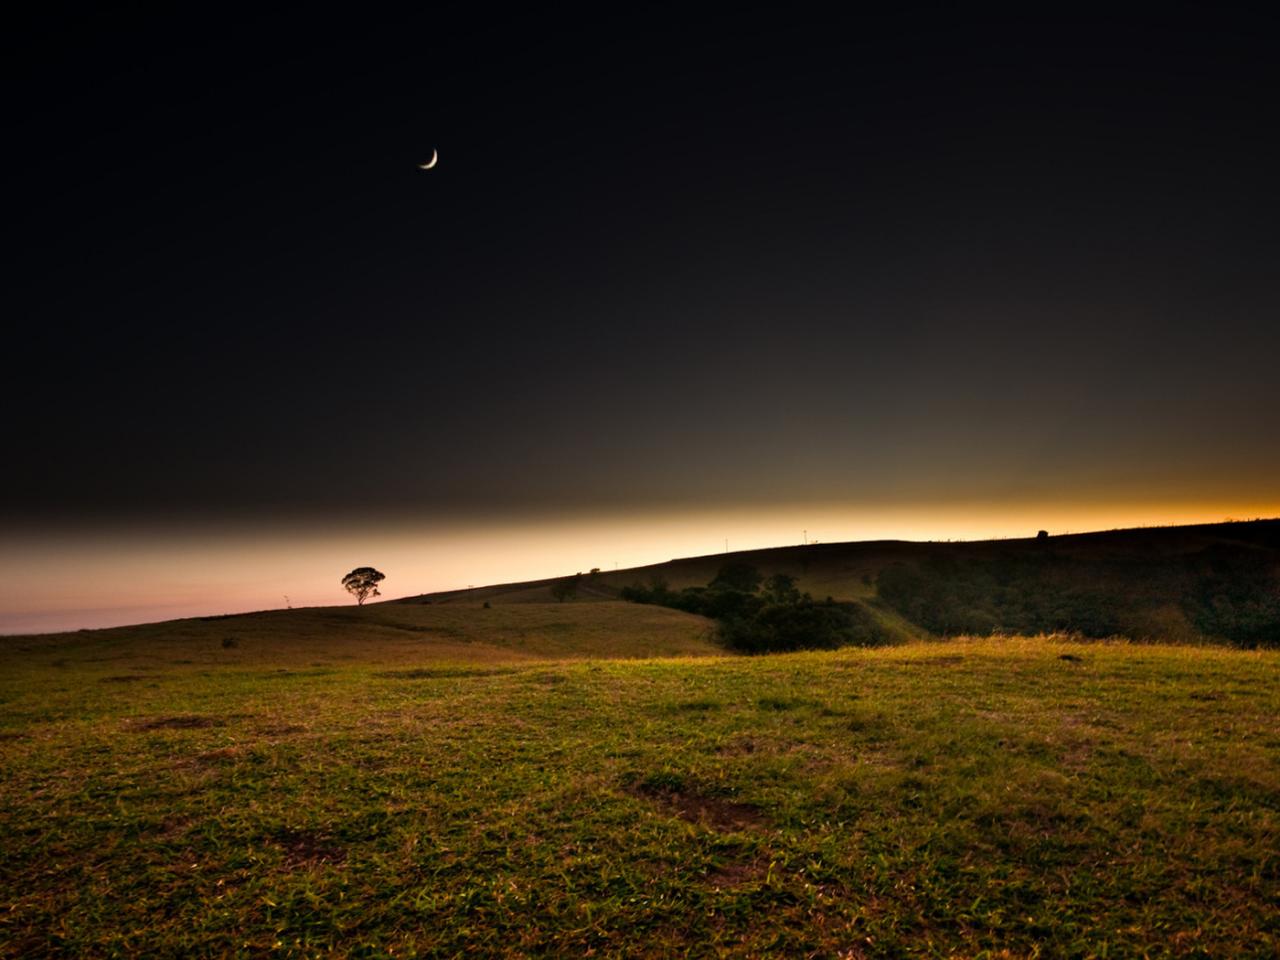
column 781, row 588
column 802, row 625
column 779, row 619
column 565, row 588
column 738, row 577
column 656, row 592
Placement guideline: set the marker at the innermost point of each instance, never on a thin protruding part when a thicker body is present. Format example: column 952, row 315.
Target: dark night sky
column 660, row 261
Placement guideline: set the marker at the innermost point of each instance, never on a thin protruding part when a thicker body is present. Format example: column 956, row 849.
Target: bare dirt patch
column 738, row 745
column 949, row 660
column 770, row 746
column 179, row 723
column 281, row 730
column 216, row 757
column 173, row 827
column 436, row 673
column 124, row 678
column 733, row 875
column 550, row 679
column 303, row 848
column 684, row 801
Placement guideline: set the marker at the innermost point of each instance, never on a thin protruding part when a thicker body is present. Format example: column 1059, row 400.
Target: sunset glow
column 112, row 576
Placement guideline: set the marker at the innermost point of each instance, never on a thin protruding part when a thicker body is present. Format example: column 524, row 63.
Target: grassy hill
column 979, row 798
column 1181, row 584
column 434, row 777
column 375, row 634
column 1212, row 581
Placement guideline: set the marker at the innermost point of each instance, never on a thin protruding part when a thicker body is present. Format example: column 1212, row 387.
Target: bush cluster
column 754, row 615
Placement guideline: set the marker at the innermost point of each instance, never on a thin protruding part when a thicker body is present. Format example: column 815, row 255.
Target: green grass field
column 380, row 791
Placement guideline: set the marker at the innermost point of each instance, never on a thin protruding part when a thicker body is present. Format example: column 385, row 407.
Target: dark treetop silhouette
column 362, row 583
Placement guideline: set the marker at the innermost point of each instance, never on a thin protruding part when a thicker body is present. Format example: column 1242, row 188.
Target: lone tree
column 362, row 583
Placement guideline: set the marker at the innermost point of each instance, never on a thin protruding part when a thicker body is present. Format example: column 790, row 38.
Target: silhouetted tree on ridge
column 362, row 583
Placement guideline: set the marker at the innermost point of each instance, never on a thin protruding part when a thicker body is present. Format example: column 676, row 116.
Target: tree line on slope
column 1222, row 592
column 1225, row 592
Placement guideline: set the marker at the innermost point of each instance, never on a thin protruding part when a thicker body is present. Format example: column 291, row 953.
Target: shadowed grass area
column 935, row 799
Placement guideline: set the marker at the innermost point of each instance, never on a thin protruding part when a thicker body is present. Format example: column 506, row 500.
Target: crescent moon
column 435, row 156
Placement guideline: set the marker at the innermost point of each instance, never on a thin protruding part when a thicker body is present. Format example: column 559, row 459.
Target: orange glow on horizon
column 107, row 578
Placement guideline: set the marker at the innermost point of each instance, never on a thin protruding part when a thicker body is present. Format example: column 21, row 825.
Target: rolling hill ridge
column 1217, row 582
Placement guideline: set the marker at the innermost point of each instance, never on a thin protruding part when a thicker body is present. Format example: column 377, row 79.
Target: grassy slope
column 932, row 799
column 379, row 633
column 847, row 571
